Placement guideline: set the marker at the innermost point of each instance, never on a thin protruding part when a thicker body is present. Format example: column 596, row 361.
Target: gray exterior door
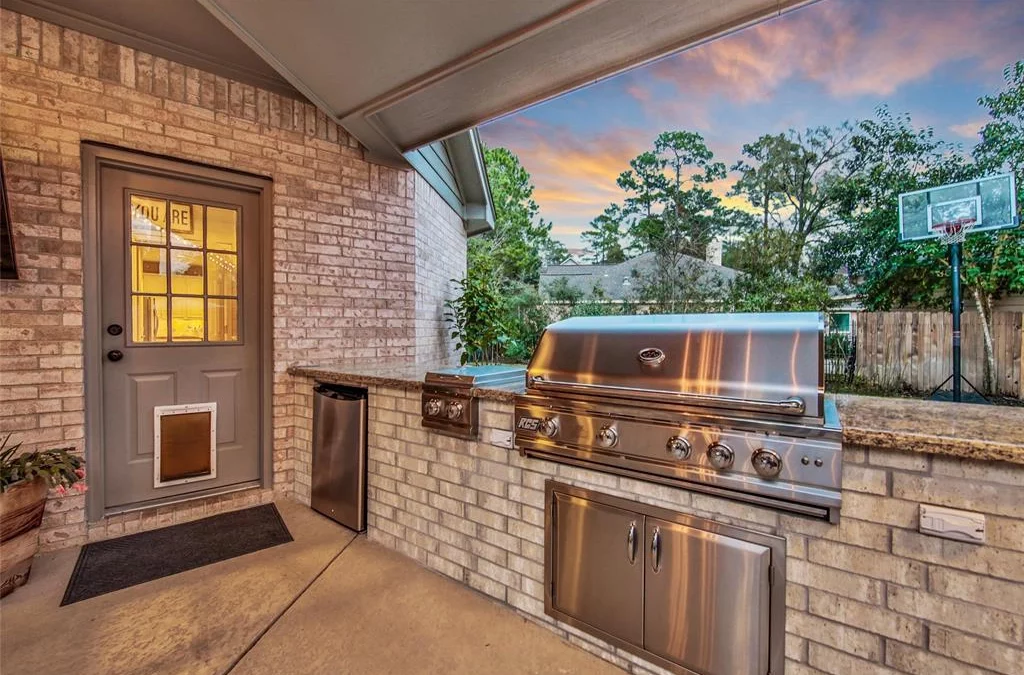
column 179, row 287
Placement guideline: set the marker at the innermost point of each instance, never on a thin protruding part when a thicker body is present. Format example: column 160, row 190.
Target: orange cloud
column 846, row 51
column 574, row 177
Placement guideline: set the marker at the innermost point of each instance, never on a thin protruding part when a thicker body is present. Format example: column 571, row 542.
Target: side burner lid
column 476, row 376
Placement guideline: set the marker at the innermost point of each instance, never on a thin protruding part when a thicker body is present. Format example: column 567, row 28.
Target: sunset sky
column 832, row 61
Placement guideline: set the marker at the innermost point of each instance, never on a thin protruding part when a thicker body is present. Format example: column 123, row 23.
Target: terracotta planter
column 21, row 512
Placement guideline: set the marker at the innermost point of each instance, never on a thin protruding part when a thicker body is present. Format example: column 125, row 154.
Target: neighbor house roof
column 617, row 281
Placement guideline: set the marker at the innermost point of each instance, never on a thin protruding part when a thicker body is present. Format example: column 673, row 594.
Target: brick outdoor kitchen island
column 259, row 227
column 869, row 595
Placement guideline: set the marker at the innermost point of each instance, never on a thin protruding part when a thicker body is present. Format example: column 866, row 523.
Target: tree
column 644, row 183
column 677, row 282
column 604, row 238
column 691, row 168
column 890, row 156
column 560, row 291
column 521, row 240
column 674, row 179
column 527, row 316
column 568, row 300
column 999, row 258
column 498, row 313
column 767, row 283
column 762, row 183
column 798, row 181
column 552, row 251
column 1002, row 139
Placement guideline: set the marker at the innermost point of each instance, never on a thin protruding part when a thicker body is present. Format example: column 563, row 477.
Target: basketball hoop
column 949, row 213
column 954, row 231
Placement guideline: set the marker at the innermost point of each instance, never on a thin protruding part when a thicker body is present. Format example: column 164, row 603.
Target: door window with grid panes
column 184, row 272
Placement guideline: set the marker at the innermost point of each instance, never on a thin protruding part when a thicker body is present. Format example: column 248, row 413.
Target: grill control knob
column 432, row 407
column 679, row 447
column 767, row 463
column 607, row 437
column 549, row 427
column 721, row 456
column 453, row 410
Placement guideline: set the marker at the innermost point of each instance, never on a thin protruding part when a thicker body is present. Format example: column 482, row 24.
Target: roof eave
column 466, row 152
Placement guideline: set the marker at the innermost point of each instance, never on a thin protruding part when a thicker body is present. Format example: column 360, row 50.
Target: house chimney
column 714, row 252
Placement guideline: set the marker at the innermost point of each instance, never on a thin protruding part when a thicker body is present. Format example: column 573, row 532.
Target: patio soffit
column 401, row 74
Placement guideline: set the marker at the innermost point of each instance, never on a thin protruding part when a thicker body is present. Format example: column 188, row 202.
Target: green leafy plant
column 526, row 318
column 477, row 319
column 60, row 468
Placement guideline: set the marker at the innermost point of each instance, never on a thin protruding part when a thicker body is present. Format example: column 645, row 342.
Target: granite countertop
column 405, row 376
column 982, row 432
column 985, row 432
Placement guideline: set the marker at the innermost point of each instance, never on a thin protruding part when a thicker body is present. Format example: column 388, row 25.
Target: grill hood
column 765, row 363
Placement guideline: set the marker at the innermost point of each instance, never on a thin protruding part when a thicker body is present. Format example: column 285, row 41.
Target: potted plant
column 25, row 479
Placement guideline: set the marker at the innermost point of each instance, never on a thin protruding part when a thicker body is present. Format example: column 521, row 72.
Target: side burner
column 449, row 405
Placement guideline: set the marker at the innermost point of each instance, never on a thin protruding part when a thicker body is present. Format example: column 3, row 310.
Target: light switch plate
column 502, row 439
column 940, row 521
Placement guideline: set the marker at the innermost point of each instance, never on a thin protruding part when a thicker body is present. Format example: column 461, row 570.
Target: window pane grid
column 183, row 290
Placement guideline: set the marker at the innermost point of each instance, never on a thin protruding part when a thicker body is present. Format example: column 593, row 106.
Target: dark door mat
column 111, row 565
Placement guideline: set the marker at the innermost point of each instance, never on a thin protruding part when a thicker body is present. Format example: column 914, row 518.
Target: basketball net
column 954, row 231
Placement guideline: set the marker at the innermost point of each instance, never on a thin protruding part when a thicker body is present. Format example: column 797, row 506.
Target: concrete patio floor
column 328, row 602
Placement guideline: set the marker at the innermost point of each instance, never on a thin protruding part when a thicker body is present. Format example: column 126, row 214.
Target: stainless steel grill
column 448, row 402
column 728, row 404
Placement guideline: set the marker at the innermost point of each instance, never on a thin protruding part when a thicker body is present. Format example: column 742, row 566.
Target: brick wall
column 440, row 257
column 868, row 596
column 343, row 230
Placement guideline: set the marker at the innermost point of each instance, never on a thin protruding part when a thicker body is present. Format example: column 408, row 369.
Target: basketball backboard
column 986, row 204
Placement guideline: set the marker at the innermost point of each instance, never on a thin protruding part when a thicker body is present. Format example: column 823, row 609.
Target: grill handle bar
column 793, row 405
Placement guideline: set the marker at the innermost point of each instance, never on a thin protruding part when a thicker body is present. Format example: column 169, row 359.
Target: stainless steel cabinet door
column 598, row 571
column 706, row 600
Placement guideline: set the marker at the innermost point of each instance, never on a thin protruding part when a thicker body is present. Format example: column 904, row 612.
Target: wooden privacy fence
column 915, row 349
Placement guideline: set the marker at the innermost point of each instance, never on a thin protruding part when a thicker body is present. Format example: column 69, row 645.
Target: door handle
column 115, row 355
column 656, row 550
column 631, row 543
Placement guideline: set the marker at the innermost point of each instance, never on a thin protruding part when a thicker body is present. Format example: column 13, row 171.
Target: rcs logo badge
column 528, row 424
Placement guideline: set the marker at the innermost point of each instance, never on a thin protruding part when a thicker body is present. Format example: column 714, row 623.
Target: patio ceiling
column 399, row 74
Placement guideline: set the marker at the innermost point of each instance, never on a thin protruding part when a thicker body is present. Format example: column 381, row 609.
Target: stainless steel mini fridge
column 339, row 454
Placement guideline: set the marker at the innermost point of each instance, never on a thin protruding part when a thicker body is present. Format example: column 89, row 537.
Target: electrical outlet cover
column 940, row 521
column 502, row 439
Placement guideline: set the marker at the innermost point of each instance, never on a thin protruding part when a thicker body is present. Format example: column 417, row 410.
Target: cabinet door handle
column 631, row 543
column 656, row 550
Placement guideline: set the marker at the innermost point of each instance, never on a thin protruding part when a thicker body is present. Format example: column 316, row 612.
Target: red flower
column 80, row 472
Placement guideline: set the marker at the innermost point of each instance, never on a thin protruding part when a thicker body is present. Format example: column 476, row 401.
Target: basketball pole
column 954, row 254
